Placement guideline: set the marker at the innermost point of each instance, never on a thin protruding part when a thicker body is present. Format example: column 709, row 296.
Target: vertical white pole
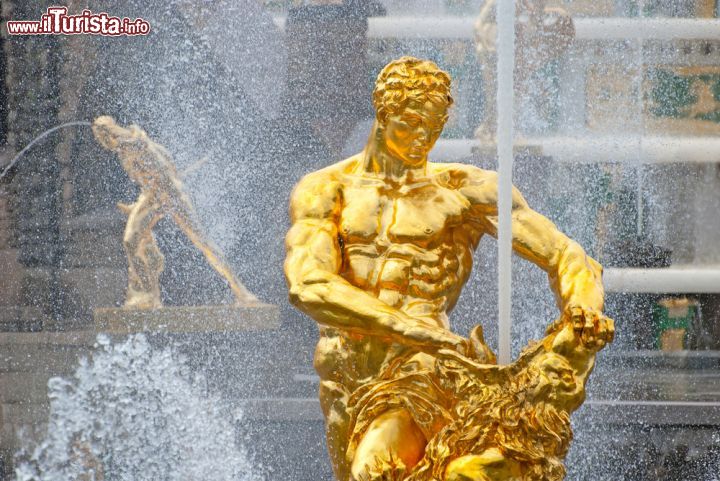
column 505, row 18
column 641, row 128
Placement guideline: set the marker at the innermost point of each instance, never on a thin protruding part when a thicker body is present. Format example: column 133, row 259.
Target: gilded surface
column 380, row 247
column 162, row 194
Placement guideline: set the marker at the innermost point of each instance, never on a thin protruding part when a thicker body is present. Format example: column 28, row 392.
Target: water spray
column 38, row 139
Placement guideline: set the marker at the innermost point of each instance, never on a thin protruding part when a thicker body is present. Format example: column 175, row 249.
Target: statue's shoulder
column 457, row 175
column 332, row 175
column 318, row 194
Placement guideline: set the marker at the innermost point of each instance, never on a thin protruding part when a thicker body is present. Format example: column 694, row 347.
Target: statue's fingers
column 577, row 319
column 609, row 329
column 592, row 323
column 590, row 328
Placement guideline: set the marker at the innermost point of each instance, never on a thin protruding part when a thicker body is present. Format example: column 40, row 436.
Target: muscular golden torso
column 153, row 170
column 409, row 245
column 379, row 261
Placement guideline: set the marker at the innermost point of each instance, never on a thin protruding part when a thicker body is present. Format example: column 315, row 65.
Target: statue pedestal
column 187, row 319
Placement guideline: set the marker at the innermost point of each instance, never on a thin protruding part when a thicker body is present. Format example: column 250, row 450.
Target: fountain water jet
column 37, row 139
column 133, row 412
column 505, row 66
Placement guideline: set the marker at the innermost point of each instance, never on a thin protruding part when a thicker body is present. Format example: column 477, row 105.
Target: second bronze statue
column 162, row 194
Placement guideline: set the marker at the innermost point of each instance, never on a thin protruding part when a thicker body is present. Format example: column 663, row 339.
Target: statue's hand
column 591, row 327
column 125, row 208
column 472, row 348
column 435, row 338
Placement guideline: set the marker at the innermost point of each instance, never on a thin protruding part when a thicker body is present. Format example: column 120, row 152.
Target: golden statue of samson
column 380, row 247
column 162, row 194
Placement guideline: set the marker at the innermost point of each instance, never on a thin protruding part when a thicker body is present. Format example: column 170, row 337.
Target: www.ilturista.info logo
column 56, row 21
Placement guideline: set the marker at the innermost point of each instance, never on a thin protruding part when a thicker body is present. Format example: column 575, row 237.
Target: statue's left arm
column 575, row 278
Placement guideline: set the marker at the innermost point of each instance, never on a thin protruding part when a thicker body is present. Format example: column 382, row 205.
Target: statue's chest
column 415, row 215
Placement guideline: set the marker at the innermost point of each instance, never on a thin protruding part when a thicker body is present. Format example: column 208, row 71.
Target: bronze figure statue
column 162, row 194
column 380, row 247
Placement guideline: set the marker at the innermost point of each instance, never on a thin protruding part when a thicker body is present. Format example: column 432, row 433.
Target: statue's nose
column 423, row 134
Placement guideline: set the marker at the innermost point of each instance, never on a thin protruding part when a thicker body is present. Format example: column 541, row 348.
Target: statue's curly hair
column 410, row 79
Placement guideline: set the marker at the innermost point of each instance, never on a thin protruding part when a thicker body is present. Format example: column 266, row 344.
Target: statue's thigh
column 141, row 220
column 333, row 401
column 393, row 438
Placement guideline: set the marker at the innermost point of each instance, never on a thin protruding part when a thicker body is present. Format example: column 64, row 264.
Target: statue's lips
column 418, row 150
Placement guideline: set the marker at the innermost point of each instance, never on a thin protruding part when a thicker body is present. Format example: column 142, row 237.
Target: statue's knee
column 378, row 468
column 154, row 256
column 392, row 443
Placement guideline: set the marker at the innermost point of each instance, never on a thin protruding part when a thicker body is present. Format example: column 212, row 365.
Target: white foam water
column 134, row 412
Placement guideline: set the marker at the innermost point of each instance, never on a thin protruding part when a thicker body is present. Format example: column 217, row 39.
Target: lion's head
column 526, row 417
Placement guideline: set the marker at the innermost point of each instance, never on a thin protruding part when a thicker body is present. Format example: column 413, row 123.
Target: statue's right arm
column 312, row 267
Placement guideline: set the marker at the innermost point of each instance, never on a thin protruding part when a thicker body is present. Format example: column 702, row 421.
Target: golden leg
column 144, row 258
column 392, row 445
column 154, row 263
column 184, row 217
column 333, row 401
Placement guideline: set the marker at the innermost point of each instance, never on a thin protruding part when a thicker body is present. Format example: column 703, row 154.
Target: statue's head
column 555, row 382
column 411, row 98
column 116, row 138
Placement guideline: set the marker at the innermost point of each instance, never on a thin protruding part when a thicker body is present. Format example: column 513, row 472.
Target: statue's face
column 556, row 383
column 104, row 128
column 410, row 134
column 113, row 137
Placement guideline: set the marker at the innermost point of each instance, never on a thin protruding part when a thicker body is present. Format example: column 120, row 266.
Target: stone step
column 647, row 358
column 77, row 338
column 19, row 387
column 53, row 360
column 188, row 319
column 25, row 413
